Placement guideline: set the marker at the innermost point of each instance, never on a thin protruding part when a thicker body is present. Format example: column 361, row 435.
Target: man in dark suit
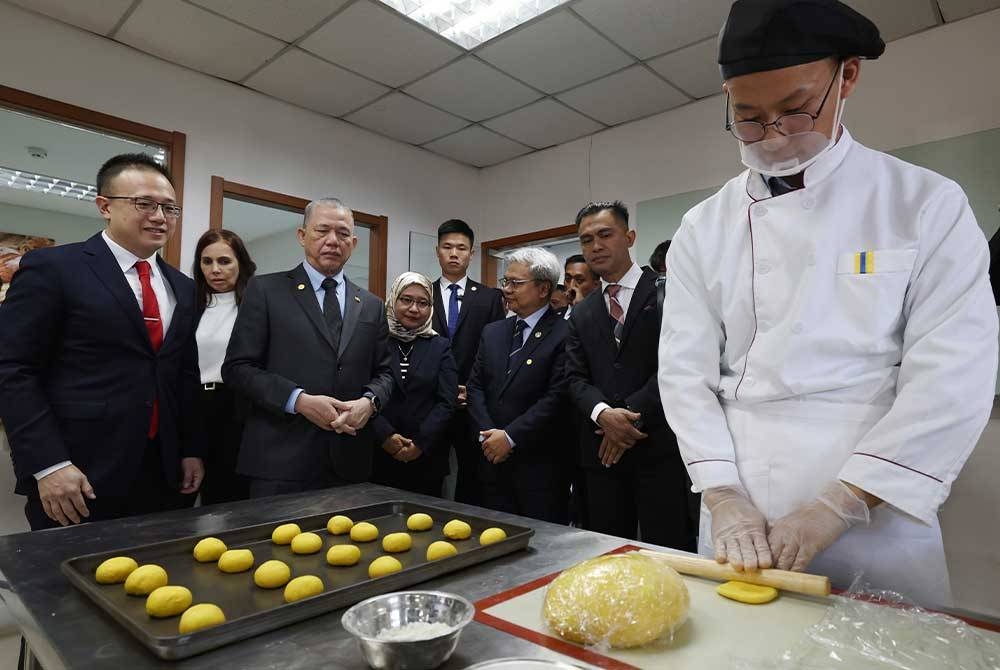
column 462, row 307
column 633, row 469
column 98, row 362
column 517, row 395
column 310, row 350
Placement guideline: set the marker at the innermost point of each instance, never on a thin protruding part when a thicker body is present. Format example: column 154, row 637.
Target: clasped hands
column 618, row 426
column 328, row 413
column 401, row 448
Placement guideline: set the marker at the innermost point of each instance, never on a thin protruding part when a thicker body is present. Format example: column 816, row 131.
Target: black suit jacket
column 78, row 374
column 480, row 305
column 600, row 371
column 529, row 402
column 281, row 342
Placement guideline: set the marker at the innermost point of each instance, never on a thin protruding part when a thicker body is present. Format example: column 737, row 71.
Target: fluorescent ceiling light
column 469, row 23
column 26, row 180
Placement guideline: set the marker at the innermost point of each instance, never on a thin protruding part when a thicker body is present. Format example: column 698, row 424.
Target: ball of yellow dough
column 271, row 575
column 305, row 586
column 168, row 601
column 285, row 533
column 492, row 536
column 338, row 525
column 457, row 530
column 343, row 554
column 364, row 532
column 115, row 570
column 202, row 615
column 306, row 543
column 440, row 549
column 209, row 550
column 236, row 560
column 624, row 600
column 384, row 565
column 145, row 579
column 419, row 521
column 396, row 542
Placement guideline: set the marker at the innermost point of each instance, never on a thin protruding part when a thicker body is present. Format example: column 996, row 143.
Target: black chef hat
column 770, row 34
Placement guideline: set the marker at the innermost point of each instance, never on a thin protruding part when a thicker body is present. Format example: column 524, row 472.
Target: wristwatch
column 373, row 399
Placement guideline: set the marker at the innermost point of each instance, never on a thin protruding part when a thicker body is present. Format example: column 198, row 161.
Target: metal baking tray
column 251, row 610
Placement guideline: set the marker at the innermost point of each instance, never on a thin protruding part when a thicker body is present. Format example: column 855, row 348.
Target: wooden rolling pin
column 784, row 580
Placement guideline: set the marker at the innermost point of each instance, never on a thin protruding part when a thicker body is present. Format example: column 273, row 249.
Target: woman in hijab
column 411, row 429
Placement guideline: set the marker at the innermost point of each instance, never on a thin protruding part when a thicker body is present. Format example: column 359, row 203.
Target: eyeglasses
column 407, row 302
column 786, row 124
column 503, row 282
column 148, row 206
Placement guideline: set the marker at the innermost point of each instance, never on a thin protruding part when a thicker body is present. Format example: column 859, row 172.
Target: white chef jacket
column 869, row 286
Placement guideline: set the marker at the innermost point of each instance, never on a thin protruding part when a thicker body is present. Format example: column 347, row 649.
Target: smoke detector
column 37, row 152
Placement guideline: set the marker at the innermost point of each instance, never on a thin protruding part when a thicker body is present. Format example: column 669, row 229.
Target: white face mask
column 786, row 155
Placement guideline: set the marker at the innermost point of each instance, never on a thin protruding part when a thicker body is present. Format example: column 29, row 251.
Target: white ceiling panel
column 543, row 124
column 556, row 53
column 472, row 89
column 650, row 27
column 98, row 16
column 285, row 19
column 896, row 18
column 477, row 146
column 695, row 69
column 302, row 79
column 404, row 118
column 624, row 96
column 381, row 44
column 953, row 10
column 190, row 36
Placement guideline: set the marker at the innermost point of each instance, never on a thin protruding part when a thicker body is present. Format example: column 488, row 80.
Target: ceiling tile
column 379, row 43
column 543, row 124
column 307, row 81
column 556, row 53
column 190, row 36
column 97, row 16
column 401, row 117
column 285, row 19
column 650, row 27
column 472, row 89
column 477, row 146
column 953, row 10
column 624, row 96
column 695, row 69
column 897, row 18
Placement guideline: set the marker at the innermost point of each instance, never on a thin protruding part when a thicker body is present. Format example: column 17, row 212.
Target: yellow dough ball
column 492, row 536
column 285, row 533
column 168, row 601
column 306, row 543
column 209, row 550
column 396, row 542
column 202, row 615
column 624, row 600
column 338, row 525
column 272, row 575
column 384, row 565
column 236, row 560
column 457, row 530
column 305, row 586
column 419, row 521
column 364, row 532
column 440, row 549
column 343, row 554
column 145, row 579
column 115, row 570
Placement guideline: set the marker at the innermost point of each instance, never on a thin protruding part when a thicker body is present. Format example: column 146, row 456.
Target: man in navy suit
column 98, row 362
column 517, row 395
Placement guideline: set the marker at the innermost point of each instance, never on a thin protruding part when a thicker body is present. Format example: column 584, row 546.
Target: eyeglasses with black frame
column 786, row 124
column 149, row 206
column 407, row 302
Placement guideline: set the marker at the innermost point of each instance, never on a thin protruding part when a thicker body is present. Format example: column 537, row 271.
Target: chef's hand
column 738, row 528
column 463, row 396
column 63, row 492
column 318, row 409
column 354, row 414
column 192, row 474
column 796, row 538
column 496, row 446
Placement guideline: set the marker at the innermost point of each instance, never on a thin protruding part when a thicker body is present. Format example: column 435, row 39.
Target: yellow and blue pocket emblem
column 864, row 262
column 876, row 261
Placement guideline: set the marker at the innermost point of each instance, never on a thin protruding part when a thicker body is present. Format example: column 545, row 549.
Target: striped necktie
column 616, row 311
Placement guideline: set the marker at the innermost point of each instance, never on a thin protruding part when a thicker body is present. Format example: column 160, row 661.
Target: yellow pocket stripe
column 864, row 262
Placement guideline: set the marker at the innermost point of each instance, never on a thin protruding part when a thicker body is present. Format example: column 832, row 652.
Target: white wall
column 61, row 227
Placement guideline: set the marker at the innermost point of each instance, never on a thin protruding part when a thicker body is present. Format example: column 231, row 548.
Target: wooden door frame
column 378, row 226
column 489, row 264
column 173, row 141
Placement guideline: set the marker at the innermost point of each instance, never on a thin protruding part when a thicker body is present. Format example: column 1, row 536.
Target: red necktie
column 151, row 316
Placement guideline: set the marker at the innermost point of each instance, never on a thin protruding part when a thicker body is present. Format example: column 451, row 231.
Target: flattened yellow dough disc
column 752, row 594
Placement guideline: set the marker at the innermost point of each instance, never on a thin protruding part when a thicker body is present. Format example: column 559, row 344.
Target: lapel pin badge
column 538, row 333
column 357, row 299
column 528, row 362
column 472, row 288
column 301, row 287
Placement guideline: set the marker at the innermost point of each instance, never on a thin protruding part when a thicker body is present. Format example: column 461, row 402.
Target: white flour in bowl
column 414, row 632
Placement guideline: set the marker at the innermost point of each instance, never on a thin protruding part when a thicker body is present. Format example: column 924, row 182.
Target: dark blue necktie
column 517, row 341
column 452, row 311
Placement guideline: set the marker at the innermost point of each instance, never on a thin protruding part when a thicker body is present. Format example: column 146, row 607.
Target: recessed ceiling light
column 39, row 183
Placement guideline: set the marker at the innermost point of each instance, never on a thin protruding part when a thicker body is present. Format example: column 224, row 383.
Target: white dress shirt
column 628, row 282
column 446, row 293
column 214, row 330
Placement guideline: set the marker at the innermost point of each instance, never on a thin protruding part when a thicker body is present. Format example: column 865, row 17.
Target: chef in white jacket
column 829, row 344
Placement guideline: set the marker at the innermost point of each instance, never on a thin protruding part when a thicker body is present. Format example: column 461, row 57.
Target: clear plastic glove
column 796, row 538
column 739, row 531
